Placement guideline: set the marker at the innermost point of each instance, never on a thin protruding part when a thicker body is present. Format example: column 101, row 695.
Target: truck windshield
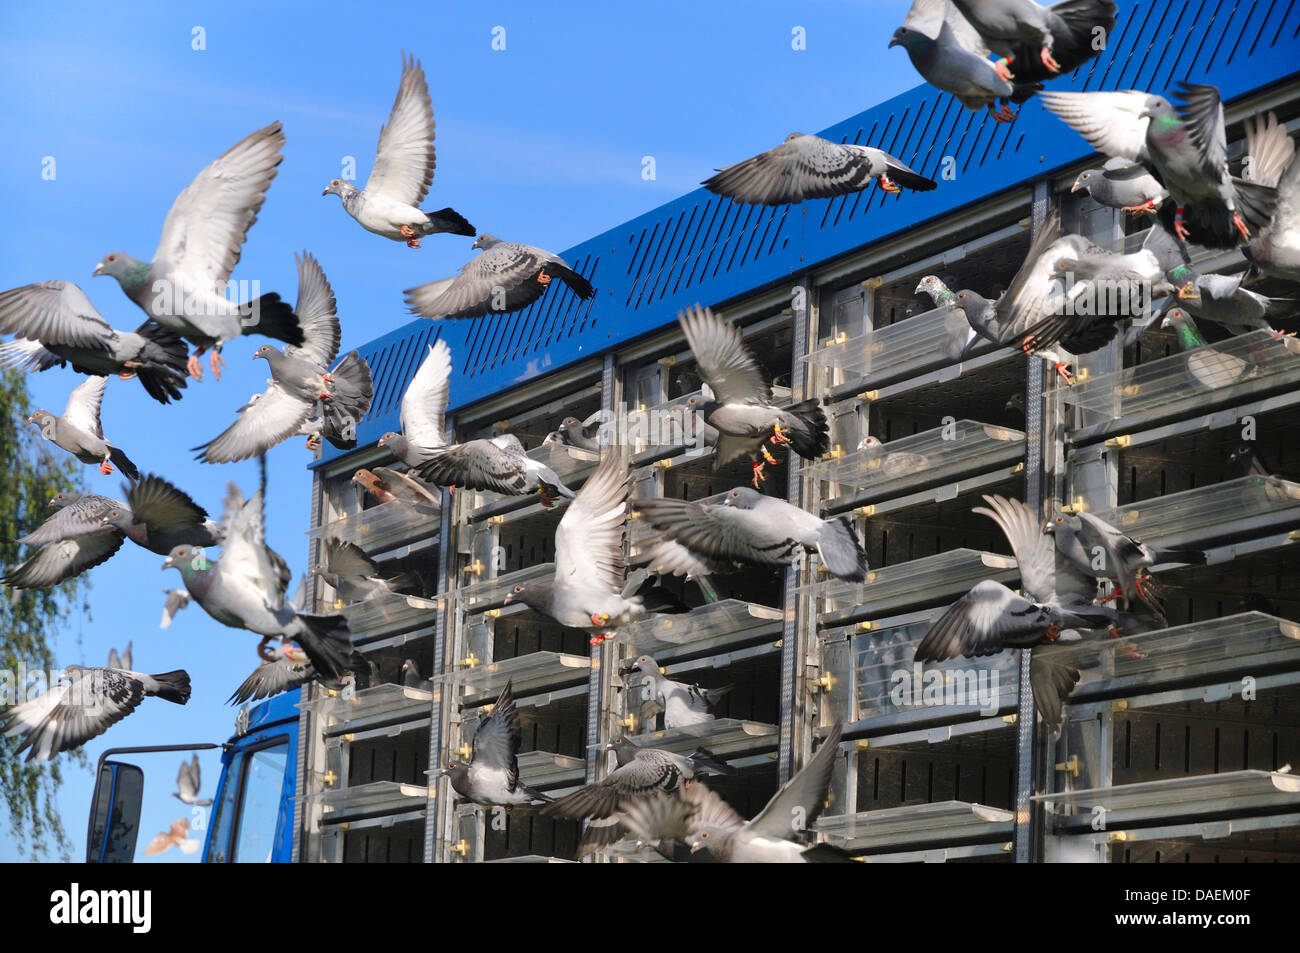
column 250, row 805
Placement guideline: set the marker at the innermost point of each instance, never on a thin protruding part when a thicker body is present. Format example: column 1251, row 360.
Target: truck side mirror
column 115, row 814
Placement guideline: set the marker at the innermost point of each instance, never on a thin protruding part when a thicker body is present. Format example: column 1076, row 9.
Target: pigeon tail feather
column 174, row 686
column 275, row 319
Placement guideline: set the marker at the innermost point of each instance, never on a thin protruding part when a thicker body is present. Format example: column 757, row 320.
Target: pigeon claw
column 125, row 376
column 600, row 637
column 599, row 618
column 1052, row 634
column 412, row 239
column 1005, row 114
column 106, row 468
column 1241, row 226
column 1179, row 228
column 1046, row 56
column 888, row 184
column 1188, row 292
column 1146, row 208
column 1003, row 68
column 194, row 367
column 767, row 455
column 1064, row 370
column 758, row 474
column 217, row 362
column 779, row 435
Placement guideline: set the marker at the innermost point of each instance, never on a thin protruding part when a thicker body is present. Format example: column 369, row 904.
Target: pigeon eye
column 112, row 257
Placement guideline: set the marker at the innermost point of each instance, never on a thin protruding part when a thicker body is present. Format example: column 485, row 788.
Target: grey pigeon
column 810, row 167
column 1184, row 147
column 1126, row 559
column 588, row 590
column 951, row 56
column 1208, row 368
column 336, row 419
column 1122, row 184
column 389, row 205
column 300, row 378
column 283, row 667
column 698, row 817
column 411, row 677
column 120, row 661
column 183, row 288
column 505, row 277
column 188, row 784
column 683, row 704
column 640, row 773
column 494, row 463
column 79, row 431
column 739, row 399
column 1275, row 249
column 69, row 542
column 177, row 599
column 424, row 407
column 84, row 704
column 492, row 775
column 54, row 323
column 1222, row 300
column 355, row 576
column 244, row 589
column 583, row 434
column 158, row 516
column 1041, row 42
column 747, row 529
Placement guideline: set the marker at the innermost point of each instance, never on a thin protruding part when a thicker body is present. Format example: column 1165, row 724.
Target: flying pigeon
column 1185, row 149
column 951, row 56
column 54, row 323
column 1059, row 38
column 747, row 529
column 588, row 590
column 175, row 836
column 389, row 205
column 69, row 542
column 810, row 167
column 183, row 288
column 79, row 431
column 243, row 589
column 177, row 599
column 1124, row 185
column 739, row 399
column 283, row 667
column 355, row 576
column 336, row 419
column 492, row 775
column 158, row 516
column 424, row 408
column 84, row 704
column 505, row 277
column 1126, row 558
column 683, row 704
column 640, row 773
column 188, row 784
column 1223, row 300
column 494, row 463
column 300, row 379
column 1275, row 249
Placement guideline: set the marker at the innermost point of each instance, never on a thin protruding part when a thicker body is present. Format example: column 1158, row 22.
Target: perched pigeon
column 588, row 590
column 54, row 324
column 183, row 288
column 1223, row 300
column 891, row 463
column 244, row 589
column 810, row 167
column 739, row 399
column 951, row 56
column 640, row 773
column 84, row 704
column 1123, row 185
column 300, row 379
column 355, row 576
column 389, row 205
column 1275, row 249
column 1209, row 368
column 1060, row 38
column 940, row 294
column 411, row 677
column 79, row 431
column 1184, row 147
column 120, row 661
column 584, row 434
column 71, row 541
column 177, row 599
column 424, row 409
column 505, row 277
column 387, row 486
column 747, row 529
column 683, row 704
column 283, row 667
column 158, row 516
column 698, row 817
column 188, row 784
column 494, row 463
column 1126, row 558
column 492, row 775
column 176, row 836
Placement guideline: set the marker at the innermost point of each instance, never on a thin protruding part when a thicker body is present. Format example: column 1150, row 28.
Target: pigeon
column 505, row 277
column 299, row 378
column 389, row 205
column 1208, row 367
column 494, row 463
column 1185, row 149
column 1060, row 38
column 336, row 419
column 355, row 576
column 283, row 667
column 585, row 434
column 69, row 542
column 940, row 294
column 411, row 677
column 183, row 288
column 891, row 463
column 698, row 817
column 1223, row 300
column 175, row 836
column 492, row 775
column 188, row 784
column 158, row 516
column 951, row 56
column 683, row 704
column 120, row 661
column 177, row 599
column 54, row 324
column 587, row 591
column 387, row 486
column 747, row 529
column 738, row 401
column 1275, row 249
column 640, row 773
column 83, row 704
column 810, row 167
column 424, row 408
column 1125, row 558
column 1124, row 185
column 79, row 431
column 243, row 589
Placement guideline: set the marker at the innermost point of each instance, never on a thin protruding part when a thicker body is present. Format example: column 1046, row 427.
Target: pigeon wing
column 54, row 312
column 405, row 157
column 726, row 364
column 424, row 405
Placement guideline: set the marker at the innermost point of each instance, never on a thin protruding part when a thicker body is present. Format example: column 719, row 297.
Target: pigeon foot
column 1241, row 226
column 543, row 278
column 758, row 474
column 262, row 652
column 1146, row 208
column 1003, row 68
column 125, row 376
column 888, row 184
column 1179, row 228
column 217, row 362
column 412, row 239
column 600, row 637
column 1005, row 114
column 767, row 455
column 1188, row 292
column 1052, row 634
column 779, row 435
column 193, row 365
column 1048, row 61
column 1066, row 375
column 106, row 468
column 599, row 618
column 313, row 443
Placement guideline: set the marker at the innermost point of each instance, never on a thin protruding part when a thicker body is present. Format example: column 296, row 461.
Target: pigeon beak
column 99, row 270
column 892, row 43
column 509, row 599
column 167, row 563
column 325, row 191
column 1076, row 187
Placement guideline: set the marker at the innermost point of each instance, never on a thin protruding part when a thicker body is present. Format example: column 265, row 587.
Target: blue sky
column 541, row 142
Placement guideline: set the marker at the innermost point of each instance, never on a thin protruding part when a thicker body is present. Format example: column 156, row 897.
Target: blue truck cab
column 252, row 819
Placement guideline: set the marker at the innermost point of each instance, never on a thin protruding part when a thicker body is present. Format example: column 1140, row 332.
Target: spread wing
column 1111, row 122
column 317, row 313
column 726, row 364
column 163, row 507
column 405, row 157
column 55, row 562
column 266, row 420
column 424, row 405
column 803, row 798
column 589, row 539
column 84, row 403
column 497, row 738
column 54, row 312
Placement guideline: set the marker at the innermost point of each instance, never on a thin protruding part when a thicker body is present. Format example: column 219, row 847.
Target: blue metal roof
column 703, row 248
